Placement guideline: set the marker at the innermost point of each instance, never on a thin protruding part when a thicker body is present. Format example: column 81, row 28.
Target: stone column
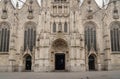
column 86, row 60
column 98, row 61
column 12, row 57
column 107, row 50
column 107, row 54
column 82, row 51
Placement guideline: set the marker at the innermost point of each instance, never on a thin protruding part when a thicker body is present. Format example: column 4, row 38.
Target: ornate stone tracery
column 59, row 44
column 30, row 36
column 30, row 24
column 4, row 25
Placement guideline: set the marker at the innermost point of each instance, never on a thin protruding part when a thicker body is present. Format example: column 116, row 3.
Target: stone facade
column 50, row 45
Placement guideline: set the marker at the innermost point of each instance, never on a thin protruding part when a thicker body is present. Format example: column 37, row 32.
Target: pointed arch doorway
column 60, row 54
column 28, row 62
column 92, row 62
column 60, row 61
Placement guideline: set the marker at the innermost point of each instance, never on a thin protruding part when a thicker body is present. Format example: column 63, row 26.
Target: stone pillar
column 33, row 59
column 37, row 54
column 12, row 54
column 98, row 62
column 12, row 60
column 107, row 53
column 107, row 50
column 86, row 60
column 82, row 51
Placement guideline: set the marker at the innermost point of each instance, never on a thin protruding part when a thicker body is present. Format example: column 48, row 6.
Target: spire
column 4, row 10
column 115, row 11
column 30, row 10
column 17, row 5
column 78, row 2
column 16, row 19
column 103, row 4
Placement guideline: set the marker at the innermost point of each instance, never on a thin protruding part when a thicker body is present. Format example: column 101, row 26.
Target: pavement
column 61, row 75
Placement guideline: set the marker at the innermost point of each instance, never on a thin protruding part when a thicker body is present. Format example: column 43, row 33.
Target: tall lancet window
column 54, row 27
column 30, row 36
column 65, row 27
column 90, row 36
column 54, row 9
column 115, row 36
column 4, row 37
column 60, row 27
column 60, row 9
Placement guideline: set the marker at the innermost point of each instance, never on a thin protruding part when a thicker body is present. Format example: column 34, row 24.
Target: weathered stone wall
column 4, row 64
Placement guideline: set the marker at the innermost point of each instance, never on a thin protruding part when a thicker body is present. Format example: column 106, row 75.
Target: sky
column 99, row 2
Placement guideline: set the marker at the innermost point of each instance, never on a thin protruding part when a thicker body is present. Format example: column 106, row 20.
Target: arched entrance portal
column 60, row 61
column 91, row 62
column 28, row 62
column 60, row 54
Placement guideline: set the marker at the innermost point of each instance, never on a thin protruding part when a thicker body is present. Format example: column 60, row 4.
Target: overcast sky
column 99, row 2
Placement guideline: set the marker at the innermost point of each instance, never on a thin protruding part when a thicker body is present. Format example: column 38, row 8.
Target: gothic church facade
column 59, row 35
